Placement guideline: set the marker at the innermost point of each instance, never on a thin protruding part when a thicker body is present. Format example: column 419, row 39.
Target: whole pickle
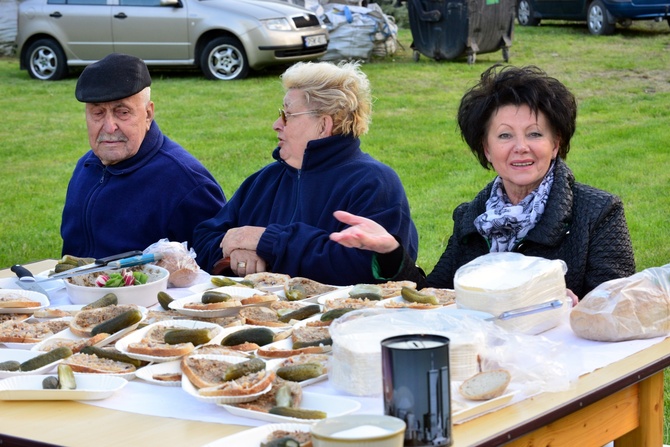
column 415, row 296
column 242, row 369
column 212, row 296
column 10, row 365
column 298, row 373
column 50, row 383
column 299, row 413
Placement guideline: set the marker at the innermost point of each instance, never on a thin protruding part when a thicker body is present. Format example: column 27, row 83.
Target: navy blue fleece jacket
column 160, row 192
column 296, row 207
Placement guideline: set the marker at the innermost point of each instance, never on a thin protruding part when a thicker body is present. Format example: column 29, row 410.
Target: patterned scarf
column 503, row 224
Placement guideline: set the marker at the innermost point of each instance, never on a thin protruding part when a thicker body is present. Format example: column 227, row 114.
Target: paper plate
column 147, row 373
column 136, row 336
column 21, row 355
column 243, row 292
column 331, row 405
column 89, row 387
column 35, row 296
column 258, row 435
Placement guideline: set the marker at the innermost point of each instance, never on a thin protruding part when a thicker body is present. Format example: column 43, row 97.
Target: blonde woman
column 280, row 218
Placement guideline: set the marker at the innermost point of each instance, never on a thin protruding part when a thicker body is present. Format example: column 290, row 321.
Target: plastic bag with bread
column 177, row 259
column 636, row 307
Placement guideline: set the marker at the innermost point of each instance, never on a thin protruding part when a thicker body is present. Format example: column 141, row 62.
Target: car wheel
column 597, row 20
column 46, row 61
column 224, row 59
column 525, row 14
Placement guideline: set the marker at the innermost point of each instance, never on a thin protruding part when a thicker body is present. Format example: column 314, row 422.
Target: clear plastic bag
column 535, row 363
column 636, row 307
column 177, row 259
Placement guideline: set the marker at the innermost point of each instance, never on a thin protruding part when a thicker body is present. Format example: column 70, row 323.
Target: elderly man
column 135, row 186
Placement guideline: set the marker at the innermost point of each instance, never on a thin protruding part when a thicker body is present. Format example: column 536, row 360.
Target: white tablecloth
column 150, row 399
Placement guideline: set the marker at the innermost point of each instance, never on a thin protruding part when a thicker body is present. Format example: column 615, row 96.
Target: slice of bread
column 261, row 316
column 91, row 363
column 276, row 353
column 212, row 306
column 304, row 438
column 85, row 320
column 269, row 400
column 259, row 298
column 245, row 385
column 157, row 349
column 204, row 372
column 16, row 300
column 22, row 332
column 485, row 385
column 266, row 279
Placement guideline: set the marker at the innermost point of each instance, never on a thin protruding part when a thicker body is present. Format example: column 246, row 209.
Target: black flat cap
column 114, row 77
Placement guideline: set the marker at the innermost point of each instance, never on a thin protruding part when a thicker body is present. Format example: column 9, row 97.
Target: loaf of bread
column 636, row 307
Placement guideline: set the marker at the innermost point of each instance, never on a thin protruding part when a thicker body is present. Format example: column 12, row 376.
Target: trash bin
column 450, row 29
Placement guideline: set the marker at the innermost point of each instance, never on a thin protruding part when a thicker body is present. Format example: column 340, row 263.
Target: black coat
column 582, row 225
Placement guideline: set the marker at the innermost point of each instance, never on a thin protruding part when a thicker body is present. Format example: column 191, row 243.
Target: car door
column 573, row 9
column 83, row 25
column 154, row 33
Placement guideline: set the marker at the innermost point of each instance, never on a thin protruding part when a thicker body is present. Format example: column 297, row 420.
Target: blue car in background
column 601, row 16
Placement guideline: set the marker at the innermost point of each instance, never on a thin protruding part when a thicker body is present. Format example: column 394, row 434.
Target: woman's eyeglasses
column 284, row 114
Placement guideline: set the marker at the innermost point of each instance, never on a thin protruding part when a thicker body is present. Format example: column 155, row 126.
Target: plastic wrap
column 630, row 308
column 498, row 282
column 534, row 362
column 178, row 260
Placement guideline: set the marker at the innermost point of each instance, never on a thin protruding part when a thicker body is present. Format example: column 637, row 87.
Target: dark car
column 601, row 16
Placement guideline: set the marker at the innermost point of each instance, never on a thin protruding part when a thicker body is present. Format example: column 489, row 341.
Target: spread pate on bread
column 91, row 363
column 84, row 321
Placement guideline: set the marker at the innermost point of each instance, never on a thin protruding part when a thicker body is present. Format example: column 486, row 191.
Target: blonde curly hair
column 341, row 91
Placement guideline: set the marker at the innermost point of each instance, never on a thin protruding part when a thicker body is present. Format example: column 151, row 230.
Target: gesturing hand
column 363, row 233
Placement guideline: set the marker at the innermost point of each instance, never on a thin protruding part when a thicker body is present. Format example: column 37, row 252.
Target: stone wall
column 8, row 22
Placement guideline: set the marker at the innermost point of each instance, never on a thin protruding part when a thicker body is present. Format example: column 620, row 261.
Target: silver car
column 225, row 38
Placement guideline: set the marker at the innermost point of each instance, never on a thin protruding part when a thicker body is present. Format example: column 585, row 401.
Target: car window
column 140, row 2
column 77, row 2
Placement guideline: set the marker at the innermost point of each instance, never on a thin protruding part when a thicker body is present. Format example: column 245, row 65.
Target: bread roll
column 485, row 385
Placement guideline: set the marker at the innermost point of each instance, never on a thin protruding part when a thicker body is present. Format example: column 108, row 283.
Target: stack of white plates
column 499, row 282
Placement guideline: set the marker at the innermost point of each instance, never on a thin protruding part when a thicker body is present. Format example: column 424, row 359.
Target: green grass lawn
column 622, row 84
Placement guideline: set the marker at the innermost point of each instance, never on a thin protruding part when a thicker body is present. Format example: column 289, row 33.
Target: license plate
column 313, row 41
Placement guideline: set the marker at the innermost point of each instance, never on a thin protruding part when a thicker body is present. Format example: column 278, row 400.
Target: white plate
column 335, row 294
column 207, row 285
column 331, row 405
column 21, row 355
column 36, row 296
column 67, row 334
column 243, row 292
column 24, row 346
column 193, row 390
column 136, row 336
column 89, row 387
column 50, row 286
column 146, row 373
column 477, row 408
column 126, row 376
column 255, row 436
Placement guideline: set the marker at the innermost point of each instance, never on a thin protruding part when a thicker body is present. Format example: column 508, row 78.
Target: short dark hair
column 500, row 86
